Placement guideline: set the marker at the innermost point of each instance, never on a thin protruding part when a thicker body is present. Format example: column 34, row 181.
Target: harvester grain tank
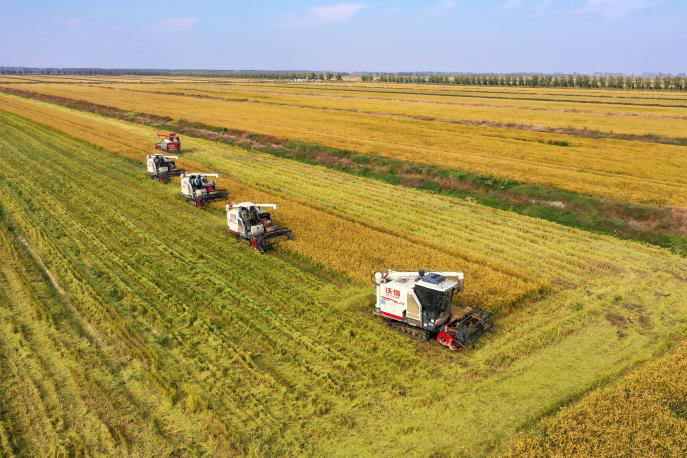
column 420, row 304
column 169, row 142
column 249, row 222
column 196, row 188
column 162, row 167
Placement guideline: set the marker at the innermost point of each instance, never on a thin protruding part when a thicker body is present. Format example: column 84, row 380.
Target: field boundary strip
column 577, row 132
column 662, row 226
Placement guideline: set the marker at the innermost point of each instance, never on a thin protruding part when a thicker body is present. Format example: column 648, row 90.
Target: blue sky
column 631, row 36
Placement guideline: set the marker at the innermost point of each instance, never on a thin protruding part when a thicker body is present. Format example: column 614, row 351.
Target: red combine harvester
column 170, row 142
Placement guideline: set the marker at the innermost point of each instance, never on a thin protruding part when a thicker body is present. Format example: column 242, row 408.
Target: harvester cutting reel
column 463, row 332
column 201, row 201
column 166, row 177
column 264, row 242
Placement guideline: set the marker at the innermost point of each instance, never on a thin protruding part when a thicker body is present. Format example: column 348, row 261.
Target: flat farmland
column 510, row 134
column 200, row 346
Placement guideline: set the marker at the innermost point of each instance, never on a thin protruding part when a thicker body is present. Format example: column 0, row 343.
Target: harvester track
column 414, row 333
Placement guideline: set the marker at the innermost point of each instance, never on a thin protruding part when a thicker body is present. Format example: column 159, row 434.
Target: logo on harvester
column 393, row 292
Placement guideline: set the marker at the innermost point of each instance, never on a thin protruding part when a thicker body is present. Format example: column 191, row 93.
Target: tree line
column 276, row 75
column 598, row 81
column 655, row 82
column 304, row 76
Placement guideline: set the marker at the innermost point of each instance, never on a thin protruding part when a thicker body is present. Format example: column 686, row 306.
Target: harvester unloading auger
column 247, row 221
column 198, row 189
column 419, row 304
column 162, row 167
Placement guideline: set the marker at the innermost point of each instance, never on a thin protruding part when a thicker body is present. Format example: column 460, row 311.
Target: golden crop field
column 645, row 414
column 237, row 353
column 634, row 171
column 606, row 112
column 540, row 109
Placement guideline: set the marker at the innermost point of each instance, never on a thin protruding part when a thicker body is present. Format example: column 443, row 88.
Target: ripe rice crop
column 605, row 113
column 644, row 415
column 664, row 116
column 627, row 170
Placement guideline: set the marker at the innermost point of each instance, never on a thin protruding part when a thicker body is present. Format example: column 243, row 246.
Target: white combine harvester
column 198, row 189
column 162, row 167
column 247, row 221
column 420, row 304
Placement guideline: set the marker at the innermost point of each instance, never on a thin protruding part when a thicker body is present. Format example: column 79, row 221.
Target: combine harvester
column 246, row 221
column 420, row 304
column 162, row 167
column 196, row 188
column 170, row 142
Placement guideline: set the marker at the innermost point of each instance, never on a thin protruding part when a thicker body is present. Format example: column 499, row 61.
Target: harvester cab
column 420, row 304
column 170, row 142
column 198, row 189
column 248, row 221
column 162, row 167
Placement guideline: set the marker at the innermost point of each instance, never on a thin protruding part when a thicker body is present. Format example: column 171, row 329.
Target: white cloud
column 444, row 6
column 614, row 10
column 512, row 4
column 180, row 24
column 325, row 15
column 543, row 5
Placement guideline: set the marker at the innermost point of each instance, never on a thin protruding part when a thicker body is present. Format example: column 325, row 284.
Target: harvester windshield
column 437, row 304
